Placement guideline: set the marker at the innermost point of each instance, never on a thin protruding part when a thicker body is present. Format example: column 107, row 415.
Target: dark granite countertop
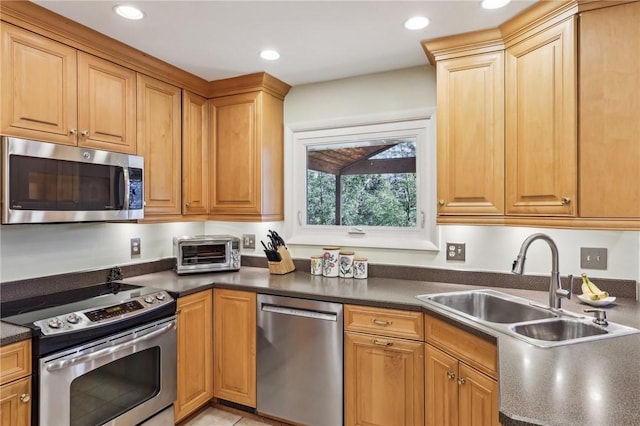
column 594, row 383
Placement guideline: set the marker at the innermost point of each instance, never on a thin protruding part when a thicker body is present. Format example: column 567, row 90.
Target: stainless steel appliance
column 206, row 253
column 45, row 182
column 103, row 354
column 300, row 360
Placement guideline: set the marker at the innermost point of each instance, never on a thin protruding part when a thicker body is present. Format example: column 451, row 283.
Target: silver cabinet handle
column 106, row 351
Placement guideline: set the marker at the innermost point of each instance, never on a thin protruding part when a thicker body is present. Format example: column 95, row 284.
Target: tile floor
column 215, row 417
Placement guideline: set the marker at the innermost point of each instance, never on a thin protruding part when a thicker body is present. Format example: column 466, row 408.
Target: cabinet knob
column 461, row 381
column 85, row 133
column 188, row 204
column 381, row 342
column 73, row 131
column 565, row 201
column 25, row 397
column 441, row 202
column 451, row 375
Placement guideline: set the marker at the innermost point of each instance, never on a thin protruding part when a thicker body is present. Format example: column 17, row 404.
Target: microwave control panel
column 135, row 189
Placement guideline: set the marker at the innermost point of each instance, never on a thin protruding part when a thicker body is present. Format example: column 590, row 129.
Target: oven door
column 119, row 380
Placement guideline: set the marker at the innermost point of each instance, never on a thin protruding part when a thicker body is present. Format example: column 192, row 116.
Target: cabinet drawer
column 386, row 322
column 15, row 361
column 471, row 349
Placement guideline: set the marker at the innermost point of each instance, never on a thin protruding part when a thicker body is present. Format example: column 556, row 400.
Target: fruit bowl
column 599, row 302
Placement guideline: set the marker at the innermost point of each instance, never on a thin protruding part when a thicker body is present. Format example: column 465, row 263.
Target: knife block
column 285, row 265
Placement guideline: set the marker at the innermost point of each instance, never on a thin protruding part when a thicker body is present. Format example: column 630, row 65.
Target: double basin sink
column 523, row 319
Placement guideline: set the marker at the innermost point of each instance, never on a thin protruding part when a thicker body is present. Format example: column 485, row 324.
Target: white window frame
column 422, row 237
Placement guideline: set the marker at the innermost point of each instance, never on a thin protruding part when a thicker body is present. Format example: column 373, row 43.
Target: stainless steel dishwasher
column 300, row 360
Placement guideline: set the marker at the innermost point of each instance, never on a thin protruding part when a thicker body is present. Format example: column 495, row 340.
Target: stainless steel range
column 103, row 354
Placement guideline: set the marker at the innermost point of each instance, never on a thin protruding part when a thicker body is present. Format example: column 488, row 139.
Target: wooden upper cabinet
column 470, row 91
column 195, row 154
column 540, row 122
column 52, row 92
column 106, row 105
column 158, row 141
column 247, row 149
column 610, row 112
column 39, row 87
column 247, row 157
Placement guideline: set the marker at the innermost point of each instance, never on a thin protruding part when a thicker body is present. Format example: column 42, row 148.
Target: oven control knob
column 73, row 318
column 148, row 299
column 55, row 323
column 160, row 296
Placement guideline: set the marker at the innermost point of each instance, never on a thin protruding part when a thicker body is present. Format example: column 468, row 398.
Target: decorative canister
column 316, row 265
column 330, row 266
column 345, row 259
column 360, row 267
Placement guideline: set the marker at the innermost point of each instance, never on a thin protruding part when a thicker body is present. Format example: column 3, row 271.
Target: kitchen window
column 364, row 186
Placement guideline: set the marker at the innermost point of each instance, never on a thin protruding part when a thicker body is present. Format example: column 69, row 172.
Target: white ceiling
column 318, row 40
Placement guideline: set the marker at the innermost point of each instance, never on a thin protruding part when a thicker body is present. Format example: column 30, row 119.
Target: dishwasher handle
column 299, row 312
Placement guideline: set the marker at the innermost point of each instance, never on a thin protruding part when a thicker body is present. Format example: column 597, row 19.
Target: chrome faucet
column 556, row 292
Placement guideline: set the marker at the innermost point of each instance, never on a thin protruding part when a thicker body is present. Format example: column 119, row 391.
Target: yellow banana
column 593, row 289
column 586, row 292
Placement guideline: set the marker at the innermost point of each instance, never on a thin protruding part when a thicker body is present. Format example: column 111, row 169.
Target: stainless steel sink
column 558, row 329
column 489, row 305
column 523, row 319
column 563, row 331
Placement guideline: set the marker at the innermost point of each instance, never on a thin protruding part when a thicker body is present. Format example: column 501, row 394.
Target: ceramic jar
column 360, row 267
column 330, row 267
column 316, row 265
column 345, row 260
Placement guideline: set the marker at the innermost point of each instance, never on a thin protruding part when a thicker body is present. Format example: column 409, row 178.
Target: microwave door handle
column 58, row 365
column 126, row 182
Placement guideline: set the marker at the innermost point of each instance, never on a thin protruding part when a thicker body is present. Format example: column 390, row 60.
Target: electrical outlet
column 135, row 247
column 249, row 241
column 593, row 258
column 455, row 251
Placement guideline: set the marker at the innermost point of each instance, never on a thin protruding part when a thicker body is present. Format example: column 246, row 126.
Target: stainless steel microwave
column 44, row 182
column 206, row 253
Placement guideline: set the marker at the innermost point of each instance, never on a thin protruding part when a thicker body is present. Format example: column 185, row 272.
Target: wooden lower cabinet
column 15, row 384
column 234, row 346
column 461, row 387
column 383, row 366
column 15, row 403
column 195, row 353
column 383, row 382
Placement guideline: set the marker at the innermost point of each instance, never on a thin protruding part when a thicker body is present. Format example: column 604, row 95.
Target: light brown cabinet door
column 478, row 403
column 195, row 353
column 610, row 112
column 39, row 89
column 470, row 118
column 195, row 154
column 234, row 331
column 158, row 140
column 15, row 403
column 106, row 105
column 246, row 157
column 383, row 381
column 441, row 388
column 540, row 123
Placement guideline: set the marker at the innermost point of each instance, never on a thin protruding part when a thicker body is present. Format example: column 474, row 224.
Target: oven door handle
column 106, row 351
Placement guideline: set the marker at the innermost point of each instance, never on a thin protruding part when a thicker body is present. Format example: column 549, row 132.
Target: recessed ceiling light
column 129, row 12
column 494, row 4
column 269, row 55
column 416, row 23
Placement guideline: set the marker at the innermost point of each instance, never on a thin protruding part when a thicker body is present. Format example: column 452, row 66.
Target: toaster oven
column 206, row 253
